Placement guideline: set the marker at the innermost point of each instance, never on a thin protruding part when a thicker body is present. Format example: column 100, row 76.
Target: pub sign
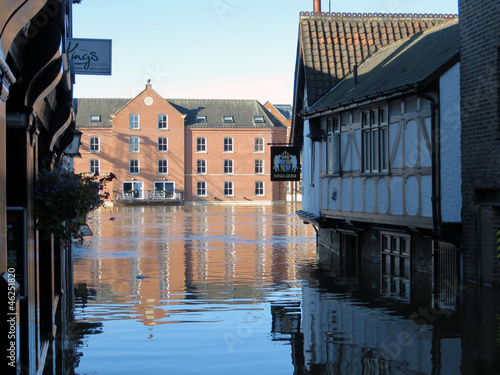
column 285, row 163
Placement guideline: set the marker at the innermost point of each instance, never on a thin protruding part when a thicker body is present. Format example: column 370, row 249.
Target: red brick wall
column 243, row 157
column 148, row 134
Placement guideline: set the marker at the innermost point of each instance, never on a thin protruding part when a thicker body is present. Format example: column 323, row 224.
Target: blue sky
column 209, row 49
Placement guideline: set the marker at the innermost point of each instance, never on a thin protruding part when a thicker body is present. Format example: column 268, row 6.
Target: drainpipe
column 436, row 162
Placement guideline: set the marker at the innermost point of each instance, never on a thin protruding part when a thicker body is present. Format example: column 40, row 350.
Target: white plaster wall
column 310, row 195
column 451, row 161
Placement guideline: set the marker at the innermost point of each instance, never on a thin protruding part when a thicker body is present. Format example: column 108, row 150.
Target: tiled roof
column 398, row 66
column 332, row 43
column 104, row 108
column 243, row 112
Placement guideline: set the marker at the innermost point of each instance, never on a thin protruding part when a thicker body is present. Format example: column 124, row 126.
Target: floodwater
column 237, row 290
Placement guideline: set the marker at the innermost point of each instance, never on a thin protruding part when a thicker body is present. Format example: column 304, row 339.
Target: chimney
column 317, row 6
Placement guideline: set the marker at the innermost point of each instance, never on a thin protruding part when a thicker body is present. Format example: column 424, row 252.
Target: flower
column 63, row 199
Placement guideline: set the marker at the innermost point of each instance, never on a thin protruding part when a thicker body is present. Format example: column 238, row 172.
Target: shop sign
column 89, row 56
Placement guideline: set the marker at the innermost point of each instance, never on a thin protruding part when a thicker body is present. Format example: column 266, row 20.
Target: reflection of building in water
column 339, row 329
column 209, row 253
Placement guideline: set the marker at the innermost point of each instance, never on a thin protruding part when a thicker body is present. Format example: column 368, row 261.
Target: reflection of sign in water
column 90, row 56
column 285, row 161
column 85, row 230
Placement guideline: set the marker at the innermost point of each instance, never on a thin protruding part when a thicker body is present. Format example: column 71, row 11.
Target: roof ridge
column 354, row 15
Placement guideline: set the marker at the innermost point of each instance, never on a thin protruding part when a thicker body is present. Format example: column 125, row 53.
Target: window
column 259, row 188
column 133, row 189
column 95, row 118
column 258, row 118
column 395, row 264
column 133, row 144
column 95, row 166
column 228, row 166
column 201, row 118
column 375, row 140
column 133, row 121
column 94, row 144
column 228, row 189
column 133, row 167
column 201, row 144
column 162, row 166
column 333, row 145
column 162, row 121
column 201, row 166
column 228, row 118
column 259, row 144
column 259, row 166
column 228, row 144
column 201, row 188
column 162, row 144
column 164, row 189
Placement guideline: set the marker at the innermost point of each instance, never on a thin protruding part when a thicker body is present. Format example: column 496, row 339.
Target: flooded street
column 237, row 290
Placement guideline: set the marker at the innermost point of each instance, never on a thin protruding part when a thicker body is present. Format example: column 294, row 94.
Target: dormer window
column 201, row 118
column 95, row 118
column 228, row 118
column 258, row 119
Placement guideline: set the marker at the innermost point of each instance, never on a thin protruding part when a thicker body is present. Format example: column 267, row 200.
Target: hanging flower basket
column 63, row 199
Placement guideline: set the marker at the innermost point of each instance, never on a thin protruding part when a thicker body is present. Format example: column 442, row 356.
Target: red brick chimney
column 317, row 6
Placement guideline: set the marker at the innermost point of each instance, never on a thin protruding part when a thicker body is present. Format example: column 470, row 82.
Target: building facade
column 36, row 126
column 181, row 150
column 480, row 108
column 381, row 156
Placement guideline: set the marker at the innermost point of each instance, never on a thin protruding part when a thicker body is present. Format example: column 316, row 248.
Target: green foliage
column 62, row 198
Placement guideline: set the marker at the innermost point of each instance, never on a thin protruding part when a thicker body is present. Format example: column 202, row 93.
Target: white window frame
column 395, row 263
column 201, row 189
column 134, row 121
column 228, row 144
column 95, row 166
column 134, row 144
column 163, row 166
column 228, row 189
column 259, row 145
column 201, row 166
column 259, row 189
column 162, row 144
column 259, row 166
column 201, row 144
column 136, row 190
column 228, row 166
column 375, row 140
column 333, row 145
column 134, row 166
column 162, row 121
column 94, row 144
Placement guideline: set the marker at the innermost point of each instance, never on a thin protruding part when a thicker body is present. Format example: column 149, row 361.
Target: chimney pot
column 317, row 6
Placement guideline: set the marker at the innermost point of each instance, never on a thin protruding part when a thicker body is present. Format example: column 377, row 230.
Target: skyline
column 209, row 49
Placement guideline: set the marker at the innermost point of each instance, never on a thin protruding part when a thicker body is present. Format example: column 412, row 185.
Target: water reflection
column 188, row 290
column 237, row 290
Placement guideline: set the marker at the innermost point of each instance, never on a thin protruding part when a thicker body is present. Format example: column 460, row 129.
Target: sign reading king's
column 90, row 56
column 285, row 161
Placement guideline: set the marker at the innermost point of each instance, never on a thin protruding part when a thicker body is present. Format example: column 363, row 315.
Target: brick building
column 480, row 108
column 193, row 150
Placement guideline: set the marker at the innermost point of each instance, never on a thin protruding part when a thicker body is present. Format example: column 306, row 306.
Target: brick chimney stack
column 317, row 6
